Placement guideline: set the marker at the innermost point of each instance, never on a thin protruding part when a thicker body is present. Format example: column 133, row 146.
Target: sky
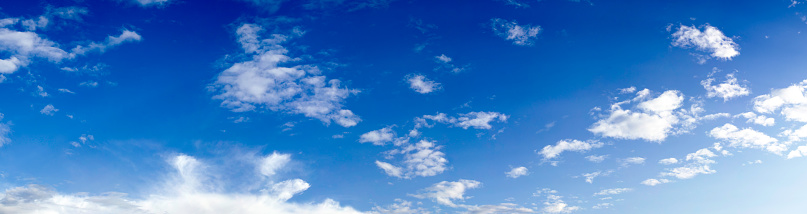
column 403, row 106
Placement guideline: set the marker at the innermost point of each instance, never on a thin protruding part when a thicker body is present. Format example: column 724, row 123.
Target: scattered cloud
column 263, row 83
column 550, row 151
column 422, row 85
column 710, row 40
column 517, row 172
column 668, row 161
column 596, row 158
column 421, row 159
column 654, row 182
column 522, row 35
column 48, row 110
column 727, row 90
column 5, row 130
column 378, row 137
column 757, row 119
column 791, row 101
column 476, row 120
column 446, row 63
column 614, row 191
column 652, row 119
column 747, row 138
column 447, row 192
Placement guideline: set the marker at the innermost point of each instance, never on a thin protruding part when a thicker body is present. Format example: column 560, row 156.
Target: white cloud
column 699, row 163
column 554, row 203
column 147, row 3
column 726, row 90
column 627, row 90
column 652, row 120
column 264, row 82
column 378, row 137
column 653, row 182
column 590, row 176
column 400, row 207
column 523, row 35
column 446, row 63
column 633, row 160
column 5, row 130
column 791, row 101
column 111, row 41
column 48, row 110
column 509, row 208
column 517, row 172
column 614, row 191
column 596, row 159
column 446, row 192
column 800, row 151
column 422, row 85
column 747, row 138
column 757, row 119
column 421, row 159
column 192, row 185
column 269, row 165
column 23, row 46
column 668, row 161
column 710, row 40
column 550, row 151
column 602, row 206
column 476, row 120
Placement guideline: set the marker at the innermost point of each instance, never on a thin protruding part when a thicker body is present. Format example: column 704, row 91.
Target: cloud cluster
column 422, row 85
column 266, row 81
column 522, row 35
column 476, row 120
column 191, row 189
column 791, row 102
column 727, row 90
column 652, row 119
column 447, row 192
column 423, row 158
column 710, row 40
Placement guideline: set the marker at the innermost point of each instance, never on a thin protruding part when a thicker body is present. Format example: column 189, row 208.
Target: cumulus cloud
column 709, row 40
column 747, row 138
column 517, row 172
column 699, row 162
column 554, row 203
column 550, row 151
column 523, row 35
column 757, row 119
column 421, row 159
column 447, row 192
column 653, row 181
column 633, row 160
column 596, row 158
column 266, row 81
column 668, row 161
column 476, row 120
column 422, row 85
column 378, row 137
column 727, row 90
column 791, row 101
column 652, row 119
column 48, row 110
column 190, row 186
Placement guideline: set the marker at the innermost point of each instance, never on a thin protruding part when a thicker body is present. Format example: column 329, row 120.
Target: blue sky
column 385, row 106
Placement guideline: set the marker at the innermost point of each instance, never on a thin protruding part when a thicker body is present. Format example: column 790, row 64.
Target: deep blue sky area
column 403, row 106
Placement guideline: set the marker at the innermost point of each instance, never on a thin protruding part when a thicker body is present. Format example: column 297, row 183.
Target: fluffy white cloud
column 264, row 82
column 747, row 138
column 653, row 182
column 422, row 85
column 550, row 151
column 421, row 159
column 48, row 110
column 699, row 163
column 378, row 137
column 192, row 185
column 614, row 191
column 446, row 192
column 668, row 161
column 653, row 120
column 727, row 90
column 710, row 40
column 791, row 101
column 517, row 172
column 800, row 151
column 757, row 119
column 476, row 120
column 524, row 35
column 555, row 204
column 269, row 165
column 596, row 159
